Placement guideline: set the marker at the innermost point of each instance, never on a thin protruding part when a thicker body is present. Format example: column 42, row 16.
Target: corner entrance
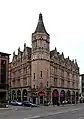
column 41, row 94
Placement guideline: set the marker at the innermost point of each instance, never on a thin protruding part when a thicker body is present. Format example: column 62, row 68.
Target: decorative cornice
column 63, row 88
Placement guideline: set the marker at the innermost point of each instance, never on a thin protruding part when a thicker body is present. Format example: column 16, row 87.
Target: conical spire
column 40, row 26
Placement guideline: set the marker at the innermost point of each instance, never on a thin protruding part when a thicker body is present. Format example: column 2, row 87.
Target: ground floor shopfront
column 70, row 96
column 53, row 95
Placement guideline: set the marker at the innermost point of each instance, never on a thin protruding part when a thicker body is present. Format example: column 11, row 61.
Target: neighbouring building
column 38, row 74
column 4, row 72
column 82, row 85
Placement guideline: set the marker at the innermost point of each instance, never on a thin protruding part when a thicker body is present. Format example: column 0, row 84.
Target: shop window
column 34, row 75
column 47, row 83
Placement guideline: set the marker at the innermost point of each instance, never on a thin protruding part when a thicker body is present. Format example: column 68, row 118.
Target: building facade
column 40, row 75
column 4, row 72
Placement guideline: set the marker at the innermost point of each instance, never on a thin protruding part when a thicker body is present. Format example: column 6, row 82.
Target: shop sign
column 41, row 94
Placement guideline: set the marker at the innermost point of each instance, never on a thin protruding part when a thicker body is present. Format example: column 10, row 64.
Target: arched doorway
column 13, row 95
column 62, row 96
column 55, row 97
column 68, row 97
column 76, row 97
column 73, row 97
column 24, row 95
column 19, row 95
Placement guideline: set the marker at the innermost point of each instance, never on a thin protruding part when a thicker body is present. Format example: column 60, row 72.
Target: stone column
column 71, row 96
column 43, row 99
column 51, row 98
column 75, row 97
column 59, row 95
column 21, row 95
column 39, row 99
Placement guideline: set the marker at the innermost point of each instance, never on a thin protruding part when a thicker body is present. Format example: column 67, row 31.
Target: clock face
column 38, row 37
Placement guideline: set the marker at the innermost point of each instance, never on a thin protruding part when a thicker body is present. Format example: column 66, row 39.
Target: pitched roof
column 4, row 54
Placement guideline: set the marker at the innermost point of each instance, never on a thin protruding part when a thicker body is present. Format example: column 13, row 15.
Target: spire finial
column 62, row 54
column 24, row 45
column 14, row 53
column 55, row 49
column 18, row 49
column 40, row 17
column 68, row 57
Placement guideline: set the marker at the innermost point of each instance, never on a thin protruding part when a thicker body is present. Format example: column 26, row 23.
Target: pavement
column 44, row 112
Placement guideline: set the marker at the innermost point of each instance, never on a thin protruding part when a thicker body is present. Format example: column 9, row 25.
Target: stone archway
column 24, row 95
column 13, row 95
column 73, row 97
column 19, row 95
column 68, row 97
column 55, row 97
column 77, row 97
column 62, row 96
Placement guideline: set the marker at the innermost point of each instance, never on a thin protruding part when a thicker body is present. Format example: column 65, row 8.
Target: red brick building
column 4, row 67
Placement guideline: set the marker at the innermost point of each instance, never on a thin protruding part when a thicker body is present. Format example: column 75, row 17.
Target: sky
column 63, row 20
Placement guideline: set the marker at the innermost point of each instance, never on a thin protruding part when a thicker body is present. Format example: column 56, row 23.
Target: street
column 62, row 112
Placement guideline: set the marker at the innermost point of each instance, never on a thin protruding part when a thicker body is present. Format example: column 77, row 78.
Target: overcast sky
column 63, row 20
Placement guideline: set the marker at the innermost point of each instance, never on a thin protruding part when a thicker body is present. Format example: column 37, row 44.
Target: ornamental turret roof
column 40, row 25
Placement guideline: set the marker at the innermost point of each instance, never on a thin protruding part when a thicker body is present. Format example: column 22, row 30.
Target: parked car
column 29, row 104
column 19, row 103
column 13, row 102
column 16, row 103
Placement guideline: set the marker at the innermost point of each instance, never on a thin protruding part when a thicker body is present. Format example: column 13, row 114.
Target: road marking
column 16, row 108
column 34, row 117
column 81, row 118
column 70, row 110
column 2, row 113
column 50, row 114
